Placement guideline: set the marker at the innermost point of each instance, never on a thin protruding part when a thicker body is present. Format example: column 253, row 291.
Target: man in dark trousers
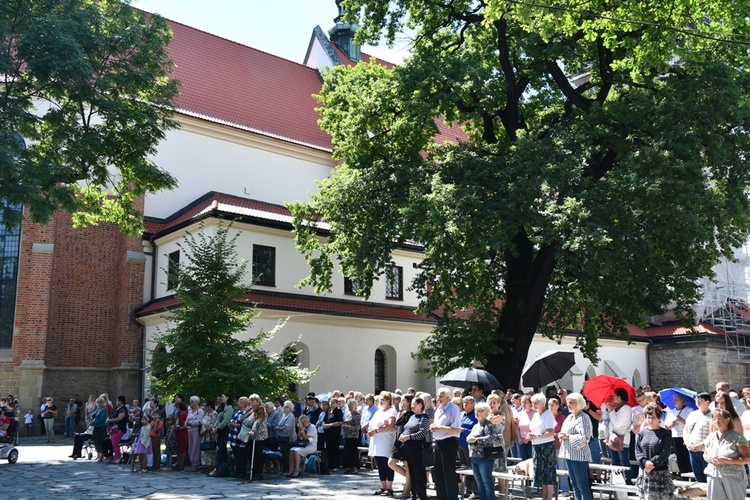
column 445, row 431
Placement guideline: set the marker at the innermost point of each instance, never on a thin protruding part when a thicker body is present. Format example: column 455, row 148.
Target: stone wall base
column 696, row 364
column 32, row 381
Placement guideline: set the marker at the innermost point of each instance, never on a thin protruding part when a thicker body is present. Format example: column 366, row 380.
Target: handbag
column 494, row 452
column 397, row 451
column 244, row 434
column 616, row 442
column 209, row 445
column 300, row 443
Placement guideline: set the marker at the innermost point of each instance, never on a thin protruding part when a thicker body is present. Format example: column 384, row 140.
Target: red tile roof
column 309, row 304
column 235, row 85
column 213, row 203
column 229, row 83
column 676, row 330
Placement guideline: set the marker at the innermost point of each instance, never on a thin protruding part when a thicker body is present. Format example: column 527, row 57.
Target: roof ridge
column 235, row 42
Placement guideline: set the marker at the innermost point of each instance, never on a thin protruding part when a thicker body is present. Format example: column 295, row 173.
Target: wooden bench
column 364, row 459
column 612, row 489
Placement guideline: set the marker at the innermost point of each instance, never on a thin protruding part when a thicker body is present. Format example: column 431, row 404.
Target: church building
column 80, row 309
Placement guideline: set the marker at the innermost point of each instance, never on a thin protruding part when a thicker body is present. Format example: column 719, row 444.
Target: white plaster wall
column 291, row 266
column 342, row 348
column 318, row 57
column 616, row 358
column 203, row 163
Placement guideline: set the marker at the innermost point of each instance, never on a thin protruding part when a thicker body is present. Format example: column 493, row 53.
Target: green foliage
column 572, row 204
column 208, row 351
column 87, row 84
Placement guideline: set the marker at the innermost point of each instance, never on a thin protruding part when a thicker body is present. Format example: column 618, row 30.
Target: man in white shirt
column 724, row 387
column 445, row 431
column 697, row 426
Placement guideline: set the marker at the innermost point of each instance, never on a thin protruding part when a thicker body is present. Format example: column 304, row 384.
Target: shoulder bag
column 244, row 434
column 208, row 445
column 616, row 442
column 494, row 452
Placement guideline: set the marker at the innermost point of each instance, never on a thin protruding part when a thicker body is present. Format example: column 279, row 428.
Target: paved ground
column 44, row 471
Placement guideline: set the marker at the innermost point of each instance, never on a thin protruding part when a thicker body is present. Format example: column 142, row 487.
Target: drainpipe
column 648, row 358
column 151, row 294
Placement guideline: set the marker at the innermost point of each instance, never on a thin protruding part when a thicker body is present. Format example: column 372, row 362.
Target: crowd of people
column 414, row 435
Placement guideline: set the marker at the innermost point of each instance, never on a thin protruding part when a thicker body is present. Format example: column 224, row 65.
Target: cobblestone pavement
column 44, row 471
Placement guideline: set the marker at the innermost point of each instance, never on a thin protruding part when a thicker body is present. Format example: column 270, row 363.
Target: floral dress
column 208, row 457
column 501, row 464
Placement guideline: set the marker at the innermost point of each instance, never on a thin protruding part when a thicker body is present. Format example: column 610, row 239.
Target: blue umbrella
column 667, row 397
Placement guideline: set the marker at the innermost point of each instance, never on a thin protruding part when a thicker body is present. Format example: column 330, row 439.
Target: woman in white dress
column 305, row 432
column 382, row 433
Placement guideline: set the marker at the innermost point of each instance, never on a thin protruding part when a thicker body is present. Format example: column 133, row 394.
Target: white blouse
column 381, row 443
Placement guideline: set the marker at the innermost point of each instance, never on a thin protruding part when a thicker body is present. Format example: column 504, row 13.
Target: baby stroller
column 8, row 438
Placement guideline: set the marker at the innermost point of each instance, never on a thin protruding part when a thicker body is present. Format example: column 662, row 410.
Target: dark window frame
column 381, row 361
column 10, row 253
column 394, row 291
column 173, row 267
column 351, row 287
column 264, row 265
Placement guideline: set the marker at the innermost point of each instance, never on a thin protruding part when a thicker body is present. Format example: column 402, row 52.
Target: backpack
column 222, row 470
column 312, row 465
column 324, row 470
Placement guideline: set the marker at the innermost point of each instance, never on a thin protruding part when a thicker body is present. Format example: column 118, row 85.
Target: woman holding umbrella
column 675, row 422
column 619, row 413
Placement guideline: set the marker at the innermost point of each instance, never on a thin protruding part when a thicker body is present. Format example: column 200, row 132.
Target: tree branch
column 605, row 73
column 565, row 87
column 510, row 115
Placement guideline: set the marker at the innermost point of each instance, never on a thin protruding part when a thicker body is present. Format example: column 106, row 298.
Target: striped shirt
column 578, row 428
column 234, row 432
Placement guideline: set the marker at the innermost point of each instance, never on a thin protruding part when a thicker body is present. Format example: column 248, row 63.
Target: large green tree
column 87, row 84
column 604, row 168
column 207, row 349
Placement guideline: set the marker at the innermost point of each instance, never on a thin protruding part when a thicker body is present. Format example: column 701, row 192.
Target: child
column 156, row 429
column 171, row 441
column 143, row 448
column 28, row 420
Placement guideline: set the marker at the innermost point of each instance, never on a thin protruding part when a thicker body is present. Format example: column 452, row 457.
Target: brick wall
column 73, row 331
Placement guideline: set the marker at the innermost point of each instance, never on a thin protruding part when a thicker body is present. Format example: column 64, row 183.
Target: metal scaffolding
column 726, row 305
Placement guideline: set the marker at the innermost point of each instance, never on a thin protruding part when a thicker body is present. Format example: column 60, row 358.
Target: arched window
column 10, row 246
column 379, row 371
column 290, row 357
column 158, row 372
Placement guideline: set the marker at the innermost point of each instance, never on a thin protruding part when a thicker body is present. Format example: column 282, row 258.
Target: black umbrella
column 548, row 367
column 466, row 377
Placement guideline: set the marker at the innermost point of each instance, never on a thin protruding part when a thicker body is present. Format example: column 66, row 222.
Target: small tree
column 204, row 355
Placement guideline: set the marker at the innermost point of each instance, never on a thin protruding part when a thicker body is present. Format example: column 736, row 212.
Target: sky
column 281, row 27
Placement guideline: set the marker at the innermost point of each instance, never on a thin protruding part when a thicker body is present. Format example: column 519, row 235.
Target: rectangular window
column 394, row 283
column 10, row 244
column 264, row 265
column 351, row 287
column 173, row 267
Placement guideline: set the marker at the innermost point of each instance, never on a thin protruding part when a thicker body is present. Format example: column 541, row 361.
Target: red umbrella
column 601, row 388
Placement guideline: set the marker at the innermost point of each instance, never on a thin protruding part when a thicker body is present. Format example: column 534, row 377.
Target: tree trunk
column 529, row 273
